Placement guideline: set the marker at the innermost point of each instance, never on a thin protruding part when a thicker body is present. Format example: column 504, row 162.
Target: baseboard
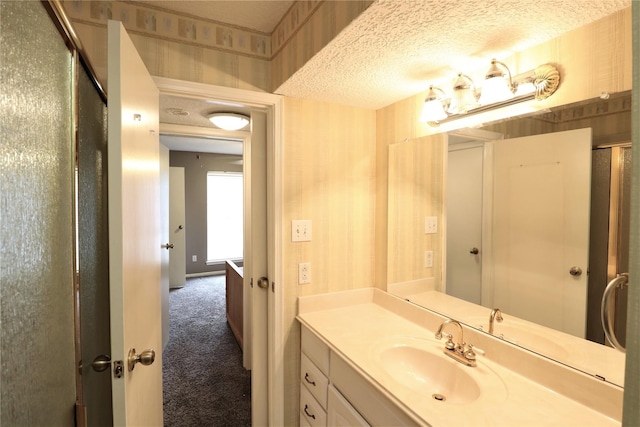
column 205, row 273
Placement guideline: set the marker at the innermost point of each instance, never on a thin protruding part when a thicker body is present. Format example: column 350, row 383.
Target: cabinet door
column 341, row 413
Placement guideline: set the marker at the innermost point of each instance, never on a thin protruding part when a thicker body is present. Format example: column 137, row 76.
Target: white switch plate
column 301, row 230
column 431, row 225
column 304, row 273
column 194, row 258
column 428, row 259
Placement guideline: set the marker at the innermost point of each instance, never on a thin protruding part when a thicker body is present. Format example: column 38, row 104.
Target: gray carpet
column 204, row 383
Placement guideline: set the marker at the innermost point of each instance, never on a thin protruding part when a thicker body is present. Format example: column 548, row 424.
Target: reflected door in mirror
column 540, row 228
column 464, row 221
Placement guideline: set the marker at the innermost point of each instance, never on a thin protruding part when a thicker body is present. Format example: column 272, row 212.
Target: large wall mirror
column 535, row 224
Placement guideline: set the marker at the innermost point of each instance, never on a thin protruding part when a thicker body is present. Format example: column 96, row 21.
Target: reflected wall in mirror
column 517, row 224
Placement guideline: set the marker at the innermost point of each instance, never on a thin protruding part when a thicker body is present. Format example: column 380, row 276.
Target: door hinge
column 273, row 287
column 118, row 369
column 81, row 415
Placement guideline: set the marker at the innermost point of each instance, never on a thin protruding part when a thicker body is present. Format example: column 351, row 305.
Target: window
column 224, row 216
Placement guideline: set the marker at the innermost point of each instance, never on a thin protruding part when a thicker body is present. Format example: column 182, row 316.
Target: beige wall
column 593, row 59
column 190, row 62
column 415, row 187
column 329, row 178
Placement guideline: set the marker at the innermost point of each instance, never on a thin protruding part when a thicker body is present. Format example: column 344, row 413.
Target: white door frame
column 273, row 105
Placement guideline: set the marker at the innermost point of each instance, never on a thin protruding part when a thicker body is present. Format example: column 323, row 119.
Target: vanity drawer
column 310, row 409
column 315, row 381
column 316, row 350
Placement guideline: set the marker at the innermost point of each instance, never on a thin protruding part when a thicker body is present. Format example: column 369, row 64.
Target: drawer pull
column 306, row 378
column 307, row 412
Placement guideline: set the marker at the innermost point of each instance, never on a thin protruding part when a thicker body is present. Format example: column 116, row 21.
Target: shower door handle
column 607, row 309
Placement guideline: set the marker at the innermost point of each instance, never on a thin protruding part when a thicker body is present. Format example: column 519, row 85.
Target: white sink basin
column 422, row 367
column 430, row 374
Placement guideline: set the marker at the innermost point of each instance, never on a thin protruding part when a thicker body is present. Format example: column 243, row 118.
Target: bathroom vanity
column 370, row 358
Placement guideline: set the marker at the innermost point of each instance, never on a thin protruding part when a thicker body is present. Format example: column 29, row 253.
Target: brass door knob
column 145, row 358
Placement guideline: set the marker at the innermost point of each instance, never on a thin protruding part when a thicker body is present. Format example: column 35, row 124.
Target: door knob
column 146, row 358
column 575, row 271
column 101, row 363
column 263, row 283
column 474, row 251
column 168, row 246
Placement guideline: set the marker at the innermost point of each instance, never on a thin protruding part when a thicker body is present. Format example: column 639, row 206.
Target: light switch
column 301, row 230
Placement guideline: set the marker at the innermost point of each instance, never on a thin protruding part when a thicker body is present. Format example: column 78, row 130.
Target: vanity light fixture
column 499, row 90
column 434, row 105
column 497, row 87
column 229, row 121
column 464, row 96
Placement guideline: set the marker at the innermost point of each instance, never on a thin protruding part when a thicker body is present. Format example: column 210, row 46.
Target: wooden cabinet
column 234, row 299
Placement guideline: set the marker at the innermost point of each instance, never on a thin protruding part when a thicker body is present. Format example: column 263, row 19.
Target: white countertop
column 590, row 357
column 357, row 324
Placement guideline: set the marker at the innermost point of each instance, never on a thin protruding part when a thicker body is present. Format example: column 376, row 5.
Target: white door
column 177, row 258
column 464, row 222
column 540, row 227
column 256, row 277
column 164, row 227
column 134, row 233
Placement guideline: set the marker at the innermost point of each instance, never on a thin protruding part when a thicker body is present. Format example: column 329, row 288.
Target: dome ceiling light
column 228, row 120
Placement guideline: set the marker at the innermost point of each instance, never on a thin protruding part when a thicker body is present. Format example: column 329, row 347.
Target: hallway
column 204, row 383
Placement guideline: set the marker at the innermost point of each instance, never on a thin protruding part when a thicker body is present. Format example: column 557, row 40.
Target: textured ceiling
column 261, row 15
column 395, row 47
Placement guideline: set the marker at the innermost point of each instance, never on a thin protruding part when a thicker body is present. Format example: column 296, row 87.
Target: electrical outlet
column 304, row 273
column 431, row 225
column 194, row 258
column 301, row 230
column 428, row 259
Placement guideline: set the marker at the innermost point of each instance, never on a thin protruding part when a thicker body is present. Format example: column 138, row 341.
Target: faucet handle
column 450, row 345
column 469, row 353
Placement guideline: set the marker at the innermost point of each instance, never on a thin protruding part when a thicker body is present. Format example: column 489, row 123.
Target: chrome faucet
column 444, row 325
column 458, row 351
column 496, row 314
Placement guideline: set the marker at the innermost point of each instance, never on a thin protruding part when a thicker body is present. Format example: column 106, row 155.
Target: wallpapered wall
column 329, row 176
column 188, row 48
